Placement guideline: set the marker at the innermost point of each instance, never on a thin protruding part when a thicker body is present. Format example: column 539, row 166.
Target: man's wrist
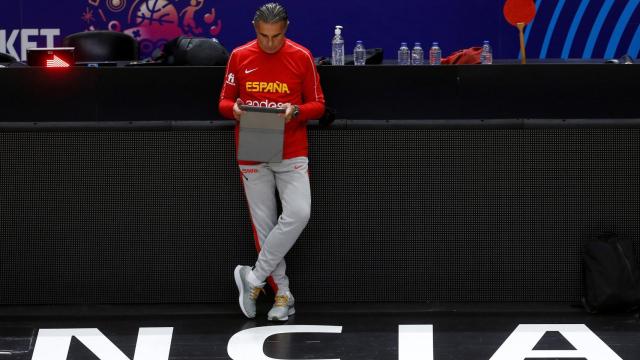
column 296, row 110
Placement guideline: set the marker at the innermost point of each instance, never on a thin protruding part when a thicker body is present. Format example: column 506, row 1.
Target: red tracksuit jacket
column 271, row 80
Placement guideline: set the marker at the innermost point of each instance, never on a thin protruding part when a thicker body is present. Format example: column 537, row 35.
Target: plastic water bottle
column 337, row 47
column 486, row 56
column 403, row 54
column 435, row 54
column 359, row 54
column 417, row 54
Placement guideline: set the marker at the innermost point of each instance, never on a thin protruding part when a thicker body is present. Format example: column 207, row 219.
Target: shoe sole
column 291, row 311
column 236, row 276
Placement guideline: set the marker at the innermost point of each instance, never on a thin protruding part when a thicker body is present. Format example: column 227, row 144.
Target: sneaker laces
column 253, row 294
column 281, row 300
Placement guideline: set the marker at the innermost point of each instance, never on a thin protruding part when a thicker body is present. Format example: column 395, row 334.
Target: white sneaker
column 282, row 308
column 248, row 292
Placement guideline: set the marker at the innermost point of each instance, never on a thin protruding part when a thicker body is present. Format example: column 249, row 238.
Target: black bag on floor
column 611, row 274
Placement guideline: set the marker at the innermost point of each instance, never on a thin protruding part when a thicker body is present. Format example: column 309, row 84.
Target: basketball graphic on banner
column 152, row 22
column 150, row 12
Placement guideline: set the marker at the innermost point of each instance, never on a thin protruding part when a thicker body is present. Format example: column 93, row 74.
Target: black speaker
column 102, row 46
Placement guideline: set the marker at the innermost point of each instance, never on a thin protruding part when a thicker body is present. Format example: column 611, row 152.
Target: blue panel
column 527, row 31
column 10, row 23
column 635, row 44
column 620, row 27
column 10, row 14
column 378, row 24
column 574, row 28
column 562, row 28
column 595, row 30
column 539, row 24
column 551, row 28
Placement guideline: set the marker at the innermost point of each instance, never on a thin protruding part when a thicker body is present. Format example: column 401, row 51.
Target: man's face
column 270, row 36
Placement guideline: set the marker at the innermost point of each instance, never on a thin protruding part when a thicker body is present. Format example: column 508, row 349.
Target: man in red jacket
column 273, row 71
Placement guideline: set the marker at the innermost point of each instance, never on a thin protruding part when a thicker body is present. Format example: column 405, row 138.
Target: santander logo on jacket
column 273, row 80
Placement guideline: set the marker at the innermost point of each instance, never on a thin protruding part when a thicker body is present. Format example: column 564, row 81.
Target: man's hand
column 237, row 113
column 288, row 112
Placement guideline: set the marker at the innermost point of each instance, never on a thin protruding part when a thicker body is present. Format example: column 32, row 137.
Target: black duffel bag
column 611, row 274
column 193, row 51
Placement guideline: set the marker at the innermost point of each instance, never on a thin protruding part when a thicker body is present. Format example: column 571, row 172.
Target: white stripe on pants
column 277, row 235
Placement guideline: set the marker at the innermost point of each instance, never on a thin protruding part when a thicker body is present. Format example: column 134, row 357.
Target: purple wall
column 562, row 28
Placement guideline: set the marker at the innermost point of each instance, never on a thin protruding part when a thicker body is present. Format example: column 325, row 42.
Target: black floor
column 368, row 331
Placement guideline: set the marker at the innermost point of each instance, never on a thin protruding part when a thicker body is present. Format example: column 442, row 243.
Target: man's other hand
column 237, row 113
column 288, row 112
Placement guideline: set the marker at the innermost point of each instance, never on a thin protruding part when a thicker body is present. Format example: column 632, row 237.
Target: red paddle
column 519, row 13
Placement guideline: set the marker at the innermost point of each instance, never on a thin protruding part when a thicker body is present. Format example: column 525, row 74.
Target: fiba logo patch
column 231, row 79
column 152, row 22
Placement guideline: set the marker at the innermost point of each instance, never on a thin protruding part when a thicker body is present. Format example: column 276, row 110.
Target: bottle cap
column 359, row 42
column 418, row 44
column 403, row 44
column 338, row 30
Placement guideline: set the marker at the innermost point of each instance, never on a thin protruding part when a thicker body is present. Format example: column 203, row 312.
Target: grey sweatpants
column 277, row 235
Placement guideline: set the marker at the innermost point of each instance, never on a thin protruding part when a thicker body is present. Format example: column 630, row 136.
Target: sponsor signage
column 415, row 342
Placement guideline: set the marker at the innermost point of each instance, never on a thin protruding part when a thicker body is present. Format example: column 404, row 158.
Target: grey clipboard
column 261, row 136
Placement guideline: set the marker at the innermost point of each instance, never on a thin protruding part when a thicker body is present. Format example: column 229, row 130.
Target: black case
column 611, row 274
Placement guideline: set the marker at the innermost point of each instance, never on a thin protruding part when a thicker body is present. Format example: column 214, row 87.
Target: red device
column 51, row 57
